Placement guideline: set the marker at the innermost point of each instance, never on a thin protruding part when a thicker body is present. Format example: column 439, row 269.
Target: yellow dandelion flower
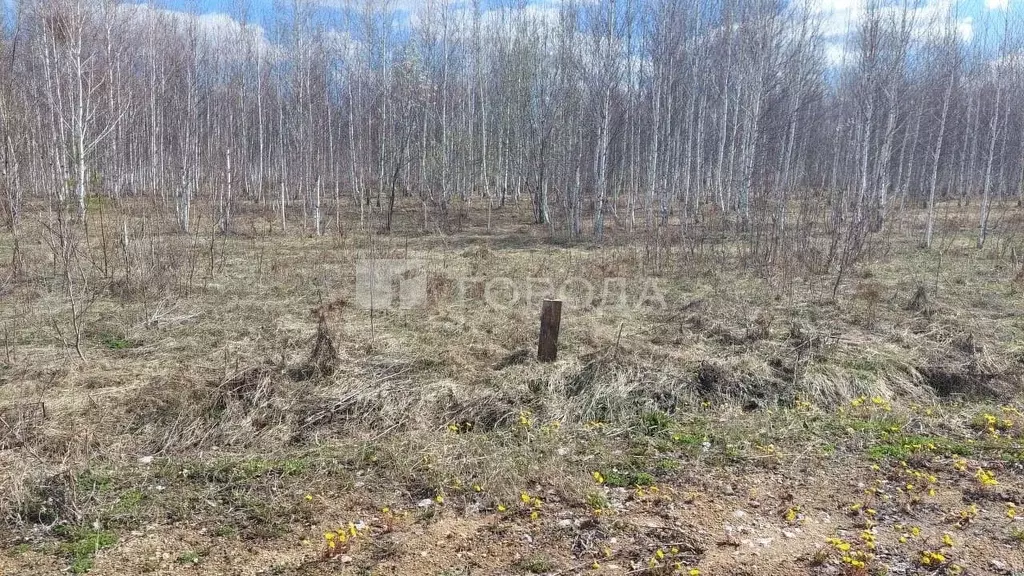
column 985, row 477
column 932, row 558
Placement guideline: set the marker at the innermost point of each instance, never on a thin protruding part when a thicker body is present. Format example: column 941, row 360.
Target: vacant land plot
column 227, row 404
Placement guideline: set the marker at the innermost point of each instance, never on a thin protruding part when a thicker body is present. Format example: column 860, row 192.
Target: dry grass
column 241, row 367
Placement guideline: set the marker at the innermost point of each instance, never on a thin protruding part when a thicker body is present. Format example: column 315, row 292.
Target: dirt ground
column 773, row 521
column 237, row 413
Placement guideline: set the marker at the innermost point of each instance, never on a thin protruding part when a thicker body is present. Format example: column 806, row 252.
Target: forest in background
column 756, row 117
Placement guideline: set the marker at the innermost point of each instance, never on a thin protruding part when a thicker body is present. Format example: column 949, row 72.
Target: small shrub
column 627, row 478
column 113, row 342
column 535, row 564
column 597, row 501
column 83, row 544
column 656, row 423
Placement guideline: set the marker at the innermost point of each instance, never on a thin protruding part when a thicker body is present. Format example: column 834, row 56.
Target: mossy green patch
column 82, row 544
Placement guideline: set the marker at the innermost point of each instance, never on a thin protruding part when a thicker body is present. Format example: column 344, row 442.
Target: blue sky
column 837, row 12
column 976, row 20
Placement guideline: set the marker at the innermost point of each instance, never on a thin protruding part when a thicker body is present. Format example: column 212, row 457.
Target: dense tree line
column 650, row 114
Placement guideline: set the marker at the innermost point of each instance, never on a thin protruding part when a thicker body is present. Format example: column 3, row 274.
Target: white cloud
column 841, row 18
column 1001, row 5
column 493, row 21
column 388, row 6
column 838, row 17
column 965, row 28
column 407, row 5
column 223, row 31
column 837, row 55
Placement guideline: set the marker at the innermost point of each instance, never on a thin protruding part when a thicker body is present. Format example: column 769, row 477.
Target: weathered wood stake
column 550, row 321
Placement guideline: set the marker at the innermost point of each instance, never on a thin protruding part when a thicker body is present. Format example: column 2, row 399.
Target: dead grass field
column 751, row 425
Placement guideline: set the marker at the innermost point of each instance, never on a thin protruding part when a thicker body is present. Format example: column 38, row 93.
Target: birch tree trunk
column 936, row 156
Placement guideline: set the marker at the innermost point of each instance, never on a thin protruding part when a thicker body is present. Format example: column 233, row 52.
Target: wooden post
column 550, row 321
